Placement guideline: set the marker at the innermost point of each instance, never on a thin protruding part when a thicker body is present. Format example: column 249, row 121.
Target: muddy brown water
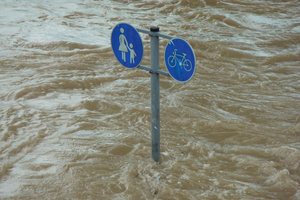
column 75, row 124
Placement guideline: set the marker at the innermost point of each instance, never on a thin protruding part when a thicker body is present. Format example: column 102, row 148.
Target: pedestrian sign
column 180, row 59
column 127, row 45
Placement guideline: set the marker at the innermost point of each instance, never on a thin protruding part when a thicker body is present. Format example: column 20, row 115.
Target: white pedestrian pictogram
column 124, row 47
column 123, row 44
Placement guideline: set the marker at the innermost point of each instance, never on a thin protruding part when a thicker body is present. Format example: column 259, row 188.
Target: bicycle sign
column 180, row 60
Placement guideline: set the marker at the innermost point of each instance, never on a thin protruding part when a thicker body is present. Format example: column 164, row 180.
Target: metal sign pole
column 155, row 102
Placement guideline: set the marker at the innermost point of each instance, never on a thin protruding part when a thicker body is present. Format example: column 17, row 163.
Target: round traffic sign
column 180, row 59
column 127, row 45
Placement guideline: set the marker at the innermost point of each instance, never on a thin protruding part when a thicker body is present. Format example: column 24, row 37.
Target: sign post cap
column 154, row 29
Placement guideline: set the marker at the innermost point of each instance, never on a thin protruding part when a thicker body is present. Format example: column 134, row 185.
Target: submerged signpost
column 180, row 61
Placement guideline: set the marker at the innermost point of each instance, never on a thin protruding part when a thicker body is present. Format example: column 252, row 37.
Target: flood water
column 75, row 123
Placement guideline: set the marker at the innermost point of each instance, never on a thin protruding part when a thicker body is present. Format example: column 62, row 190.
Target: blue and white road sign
column 180, row 59
column 127, row 45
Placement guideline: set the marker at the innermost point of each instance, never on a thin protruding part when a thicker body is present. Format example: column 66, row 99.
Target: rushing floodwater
column 75, row 124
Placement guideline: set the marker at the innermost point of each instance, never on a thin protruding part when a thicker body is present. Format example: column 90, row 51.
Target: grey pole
column 155, row 104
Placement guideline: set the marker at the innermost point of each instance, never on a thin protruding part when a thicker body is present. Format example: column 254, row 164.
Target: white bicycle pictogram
column 186, row 63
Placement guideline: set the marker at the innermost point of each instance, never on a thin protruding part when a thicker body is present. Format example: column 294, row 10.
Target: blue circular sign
column 127, row 45
column 180, row 59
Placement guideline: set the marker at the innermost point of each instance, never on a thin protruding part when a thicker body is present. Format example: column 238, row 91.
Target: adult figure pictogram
column 123, row 44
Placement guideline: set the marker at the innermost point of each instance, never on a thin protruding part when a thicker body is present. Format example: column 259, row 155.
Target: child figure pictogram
column 132, row 53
